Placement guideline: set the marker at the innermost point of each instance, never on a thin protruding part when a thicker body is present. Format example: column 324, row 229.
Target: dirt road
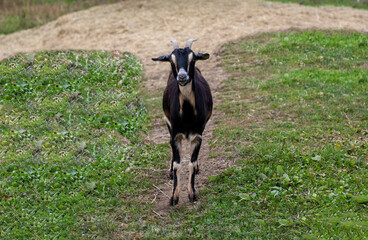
column 145, row 28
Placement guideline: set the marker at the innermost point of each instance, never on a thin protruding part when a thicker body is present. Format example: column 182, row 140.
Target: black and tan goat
column 187, row 104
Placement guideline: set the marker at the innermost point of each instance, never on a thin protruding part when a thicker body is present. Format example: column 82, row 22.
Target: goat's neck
column 187, row 91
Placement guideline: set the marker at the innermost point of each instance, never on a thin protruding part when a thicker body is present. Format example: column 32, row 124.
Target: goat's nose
column 182, row 76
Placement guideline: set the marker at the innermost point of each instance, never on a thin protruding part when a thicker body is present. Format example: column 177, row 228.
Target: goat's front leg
column 171, row 174
column 195, row 143
column 171, row 171
column 176, row 154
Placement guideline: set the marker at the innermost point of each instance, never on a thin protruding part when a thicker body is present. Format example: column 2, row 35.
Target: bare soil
column 145, row 28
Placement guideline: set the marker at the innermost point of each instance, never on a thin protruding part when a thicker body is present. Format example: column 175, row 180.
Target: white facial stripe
column 173, row 59
column 190, row 58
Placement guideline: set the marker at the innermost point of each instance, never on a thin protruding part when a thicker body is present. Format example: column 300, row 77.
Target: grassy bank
column 361, row 4
column 303, row 145
column 18, row 15
column 296, row 120
column 74, row 154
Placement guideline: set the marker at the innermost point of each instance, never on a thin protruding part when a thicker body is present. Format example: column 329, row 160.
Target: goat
column 187, row 104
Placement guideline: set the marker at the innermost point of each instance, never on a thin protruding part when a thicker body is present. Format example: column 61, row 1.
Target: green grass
column 296, row 120
column 74, row 155
column 362, row 4
column 75, row 161
column 18, row 15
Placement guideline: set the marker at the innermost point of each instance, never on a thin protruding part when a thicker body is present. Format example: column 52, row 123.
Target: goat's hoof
column 173, row 201
column 193, row 197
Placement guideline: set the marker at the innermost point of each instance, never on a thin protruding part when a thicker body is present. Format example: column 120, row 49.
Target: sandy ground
column 145, row 28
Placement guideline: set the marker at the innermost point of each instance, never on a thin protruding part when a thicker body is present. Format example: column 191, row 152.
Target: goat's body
column 187, row 104
column 187, row 114
column 187, row 110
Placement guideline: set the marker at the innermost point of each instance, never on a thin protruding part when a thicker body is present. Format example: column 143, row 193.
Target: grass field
column 296, row 120
column 75, row 161
column 17, row 15
column 362, row 4
column 304, row 153
column 74, row 154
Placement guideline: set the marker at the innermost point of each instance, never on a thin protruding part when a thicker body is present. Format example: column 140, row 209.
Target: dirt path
column 146, row 27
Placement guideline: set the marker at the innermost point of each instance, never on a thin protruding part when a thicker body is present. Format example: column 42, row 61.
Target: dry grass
column 23, row 14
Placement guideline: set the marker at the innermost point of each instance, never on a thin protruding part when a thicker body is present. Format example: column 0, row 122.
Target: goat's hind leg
column 195, row 143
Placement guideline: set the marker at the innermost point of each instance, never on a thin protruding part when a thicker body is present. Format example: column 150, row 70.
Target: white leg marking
column 168, row 122
column 192, row 166
column 177, row 190
column 178, row 142
column 194, row 138
column 177, row 166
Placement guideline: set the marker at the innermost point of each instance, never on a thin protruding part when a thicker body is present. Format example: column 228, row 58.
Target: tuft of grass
column 18, row 15
column 296, row 121
column 74, row 155
column 361, row 4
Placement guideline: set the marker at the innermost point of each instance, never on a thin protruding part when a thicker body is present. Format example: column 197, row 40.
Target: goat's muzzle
column 183, row 77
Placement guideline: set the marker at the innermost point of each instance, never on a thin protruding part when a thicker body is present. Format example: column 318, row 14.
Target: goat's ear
column 201, row 56
column 163, row 58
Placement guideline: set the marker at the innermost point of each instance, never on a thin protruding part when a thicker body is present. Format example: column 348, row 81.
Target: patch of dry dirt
column 145, row 28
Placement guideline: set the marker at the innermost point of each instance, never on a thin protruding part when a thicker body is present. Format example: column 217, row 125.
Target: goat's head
column 182, row 61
